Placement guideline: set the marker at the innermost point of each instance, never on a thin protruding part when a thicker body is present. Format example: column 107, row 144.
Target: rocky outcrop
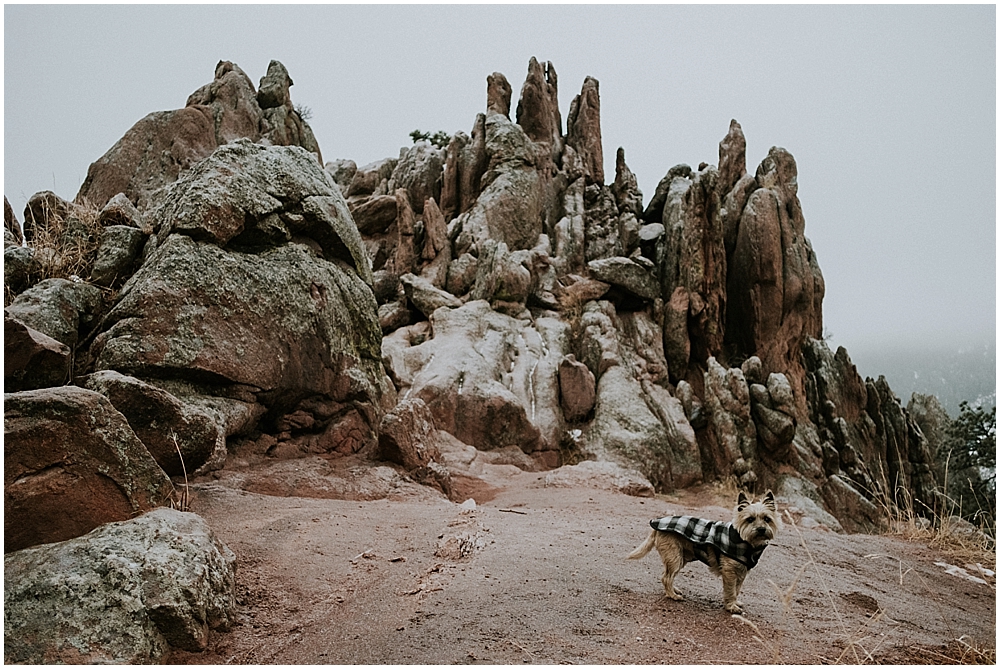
column 487, row 378
column 282, row 313
column 282, row 122
column 867, row 438
column 418, row 171
column 157, row 149
column 496, row 295
column 583, row 131
column 538, row 108
column 498, row 92
column 72, row 463
column 44, row 211
column 510, row 205
column 775, row 279
column 125, row 593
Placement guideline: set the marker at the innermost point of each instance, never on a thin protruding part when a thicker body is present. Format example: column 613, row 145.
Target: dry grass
column 66, row 247
column 860, row 645
column 183, row 503
column 937, row 528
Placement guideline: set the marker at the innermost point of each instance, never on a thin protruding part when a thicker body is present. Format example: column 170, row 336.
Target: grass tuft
column 66, row 246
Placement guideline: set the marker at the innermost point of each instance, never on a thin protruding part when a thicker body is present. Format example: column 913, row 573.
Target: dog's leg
column 733, row 574
column 673, row 560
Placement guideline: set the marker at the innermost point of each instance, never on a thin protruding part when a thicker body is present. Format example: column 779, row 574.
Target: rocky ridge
column 246, row 306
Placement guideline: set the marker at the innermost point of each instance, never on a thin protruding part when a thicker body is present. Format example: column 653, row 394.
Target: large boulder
column 10, row 222
column 342, row 171
column 19, row 267
column 423, row 295
column 419, row 170
column 72, row 463
column 602, row 475
column 60, row 308
column 32, row 359
column 162, row 145
column 374, row 214
column 150, row 155
column 406, row 435
column 489, row 379
column 181, row 438
column 371, row 179
column 45, row 212
column 119, row 249
column 126, row 593
column 120, row 211
column 577, row 389
column 627, row 275
column 283, row 324
column 254, row 196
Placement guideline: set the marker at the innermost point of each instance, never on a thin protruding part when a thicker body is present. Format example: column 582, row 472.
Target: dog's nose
column 761, row 530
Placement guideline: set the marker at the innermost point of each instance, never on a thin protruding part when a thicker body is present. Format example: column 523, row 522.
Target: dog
column 730, row 550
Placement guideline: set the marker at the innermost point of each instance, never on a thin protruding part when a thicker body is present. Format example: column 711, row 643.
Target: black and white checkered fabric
column 710, row 533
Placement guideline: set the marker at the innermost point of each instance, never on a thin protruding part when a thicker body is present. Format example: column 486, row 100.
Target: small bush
column 969, row 460
column 305, row 113
column 440, row 139
column 66, row 246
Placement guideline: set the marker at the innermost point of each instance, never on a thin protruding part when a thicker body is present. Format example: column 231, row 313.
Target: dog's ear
column 768, row 501
column 741, row 501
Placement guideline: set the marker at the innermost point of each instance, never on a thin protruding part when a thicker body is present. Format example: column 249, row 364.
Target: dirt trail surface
column 535, row 574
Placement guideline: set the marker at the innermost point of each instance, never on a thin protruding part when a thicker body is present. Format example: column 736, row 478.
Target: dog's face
column 756, row 521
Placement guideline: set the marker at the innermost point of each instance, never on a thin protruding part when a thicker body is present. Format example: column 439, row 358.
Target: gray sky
column 890, row 112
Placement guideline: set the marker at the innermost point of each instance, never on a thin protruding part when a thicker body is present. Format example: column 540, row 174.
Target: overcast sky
column 890, row 112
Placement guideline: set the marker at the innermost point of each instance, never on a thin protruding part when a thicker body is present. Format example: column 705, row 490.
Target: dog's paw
column 676, row 596
column 736, row 608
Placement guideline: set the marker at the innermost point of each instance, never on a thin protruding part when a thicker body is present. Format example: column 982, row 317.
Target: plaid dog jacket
column 710, row 536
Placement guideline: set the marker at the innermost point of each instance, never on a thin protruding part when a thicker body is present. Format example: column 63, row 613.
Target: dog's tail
column 643, row 550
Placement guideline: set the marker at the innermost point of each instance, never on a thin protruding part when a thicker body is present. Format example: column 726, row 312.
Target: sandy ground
column 535, row 574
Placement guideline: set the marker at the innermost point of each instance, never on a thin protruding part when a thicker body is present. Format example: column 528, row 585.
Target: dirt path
column 537, row 575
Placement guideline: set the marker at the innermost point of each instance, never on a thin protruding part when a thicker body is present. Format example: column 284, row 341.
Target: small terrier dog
column 730, row 550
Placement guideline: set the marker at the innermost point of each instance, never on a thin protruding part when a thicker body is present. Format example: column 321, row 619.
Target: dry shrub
column 937, row 528
column 66, row 246
column 860, row 644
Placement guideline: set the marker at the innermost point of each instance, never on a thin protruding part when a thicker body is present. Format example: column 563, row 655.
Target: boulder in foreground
column 123, row 594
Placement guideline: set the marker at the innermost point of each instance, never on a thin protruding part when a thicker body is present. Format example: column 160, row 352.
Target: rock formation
column 123, row 594
column 242, row 305
column 154, row 152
